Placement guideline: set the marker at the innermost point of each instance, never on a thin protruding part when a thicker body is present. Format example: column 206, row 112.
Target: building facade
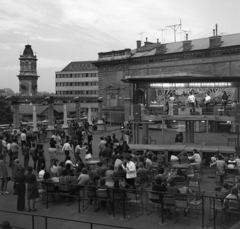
column 28, row 73
column 76, row 79
column 154, row 71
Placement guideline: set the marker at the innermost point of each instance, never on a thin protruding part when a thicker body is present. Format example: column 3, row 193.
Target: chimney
column 187, row 45
column 139, row 44
column 215, row 41
column 157, row 40
column 216, row 29
column 186, row 36
column 214, row 32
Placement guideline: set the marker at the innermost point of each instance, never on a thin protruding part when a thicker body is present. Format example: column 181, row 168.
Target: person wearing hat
column 6, row 225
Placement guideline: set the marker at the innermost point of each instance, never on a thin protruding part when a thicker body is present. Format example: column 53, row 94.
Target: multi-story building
column 79, row 78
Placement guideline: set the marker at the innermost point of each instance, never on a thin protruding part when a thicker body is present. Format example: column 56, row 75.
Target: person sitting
column 231, row 162
column 103, row 187
column 100, row 170
column 161, row 174
column 83, row 178
column 41, row 172
column 69, row 161
column 225, row 189
column 184, row 158
column 196, row 158
column 231, row 197
column 158, row 187
column 92, row 186
column 174, row 158
column 179, row 137
column 142, row 173
column 171, row 188
column 149, row 164
column 65, row 178
column 109, row 176
column 6, row 225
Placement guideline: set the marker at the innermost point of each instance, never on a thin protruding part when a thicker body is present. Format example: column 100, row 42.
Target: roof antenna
column 175, row 28
column 141, row 35
column 162, row 34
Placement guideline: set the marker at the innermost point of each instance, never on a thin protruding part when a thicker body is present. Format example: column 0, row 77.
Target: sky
column 61, row 31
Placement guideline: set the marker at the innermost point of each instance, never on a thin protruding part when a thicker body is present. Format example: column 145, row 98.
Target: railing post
column 79, row 208
column 124, row 213
column 113, row 204
column 46, row 222
column 203, row 212
column 214, row 214
column 47, row 194
column 33, row 222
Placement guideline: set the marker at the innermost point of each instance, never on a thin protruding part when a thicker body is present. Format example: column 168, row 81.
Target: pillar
column 16, row 122
column 100, row 115
column 145, row 133
column 90, row 113
column 186, row 131
column 35, row 129
column 78, row 111
column 65, row 124
column 100, row 124
column 50, row 128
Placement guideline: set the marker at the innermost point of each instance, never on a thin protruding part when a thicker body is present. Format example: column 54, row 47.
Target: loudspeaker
column 237, row 114
column 137, row 112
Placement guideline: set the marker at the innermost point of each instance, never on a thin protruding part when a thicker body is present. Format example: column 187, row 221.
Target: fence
column 132, row 201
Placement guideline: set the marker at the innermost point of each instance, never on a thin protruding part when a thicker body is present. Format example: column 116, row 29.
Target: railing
column 82, row 198
column 217, row 110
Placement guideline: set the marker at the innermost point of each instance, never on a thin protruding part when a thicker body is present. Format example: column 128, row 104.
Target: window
column 86, row 83
column 86, row 74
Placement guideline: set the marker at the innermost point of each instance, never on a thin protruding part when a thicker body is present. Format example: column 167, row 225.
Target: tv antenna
column 162, row 34
column 141, row 35
column 186, row 32
column 175, row 28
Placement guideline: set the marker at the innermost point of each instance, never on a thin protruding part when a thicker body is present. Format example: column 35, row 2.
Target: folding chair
column 134, row 202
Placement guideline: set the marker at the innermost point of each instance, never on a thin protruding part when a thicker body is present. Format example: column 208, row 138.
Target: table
column 142, row 147
column 181, row 166
column 91, row 162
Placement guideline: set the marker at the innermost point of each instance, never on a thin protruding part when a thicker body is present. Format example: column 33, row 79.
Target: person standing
column 3, row 176
column 32, row 189
column 191, row 102
column 23, row 139
column 33, row 153
column 20, row 181
column 67, row 149
column 26, row 149
column 4, row 148
column 207, row 101
column 131, row 172
column 171, row 100
column 41, row 157
column 224, row 102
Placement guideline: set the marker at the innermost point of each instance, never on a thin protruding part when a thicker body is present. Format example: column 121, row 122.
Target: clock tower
column 28, row 73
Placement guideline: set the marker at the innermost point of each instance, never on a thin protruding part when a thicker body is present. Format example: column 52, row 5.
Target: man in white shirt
column 67, row 149
column 23, row 139
column 197, row 158
column 101, row 146
column 191, row 102
column 131, row 172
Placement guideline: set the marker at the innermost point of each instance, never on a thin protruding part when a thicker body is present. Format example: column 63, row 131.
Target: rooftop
column 28, row 51
column 79, row 66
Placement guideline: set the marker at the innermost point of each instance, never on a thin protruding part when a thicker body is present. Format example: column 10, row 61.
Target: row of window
column 77, row 84
column 76, row 75
column 88, row 92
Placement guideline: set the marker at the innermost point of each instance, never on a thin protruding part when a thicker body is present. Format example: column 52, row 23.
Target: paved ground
column 8, row 202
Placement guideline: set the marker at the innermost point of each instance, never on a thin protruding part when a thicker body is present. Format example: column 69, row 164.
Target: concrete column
column 16, row 122
column 145, row 132
column 65, row 124
column 50, row 127
column 90, row 113
column 78, row 110
column 35, row 129
column 186, row 131
column 100, row 105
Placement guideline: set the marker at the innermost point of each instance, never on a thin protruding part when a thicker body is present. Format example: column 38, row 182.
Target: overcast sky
column 61, row 31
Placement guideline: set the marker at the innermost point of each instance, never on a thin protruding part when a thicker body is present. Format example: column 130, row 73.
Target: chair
column 194, row 184
column 50, row 190
column 181, row 204
column 230, row 175
column 217, row 205
column 232, row 208
column 41, row 192
column 89, row 197
column 117, row 200
column 64, row 191
column 196, row 203
column 180, row 181
column 153, row 200
column 102, row 198
column 168, row 203
column 134, row 201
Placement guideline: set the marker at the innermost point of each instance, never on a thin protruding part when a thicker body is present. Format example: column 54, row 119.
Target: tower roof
column 28, row 51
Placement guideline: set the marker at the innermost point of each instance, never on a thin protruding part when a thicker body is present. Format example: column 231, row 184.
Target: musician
column 191, row 102
column 224, row 101
column 207, row 101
